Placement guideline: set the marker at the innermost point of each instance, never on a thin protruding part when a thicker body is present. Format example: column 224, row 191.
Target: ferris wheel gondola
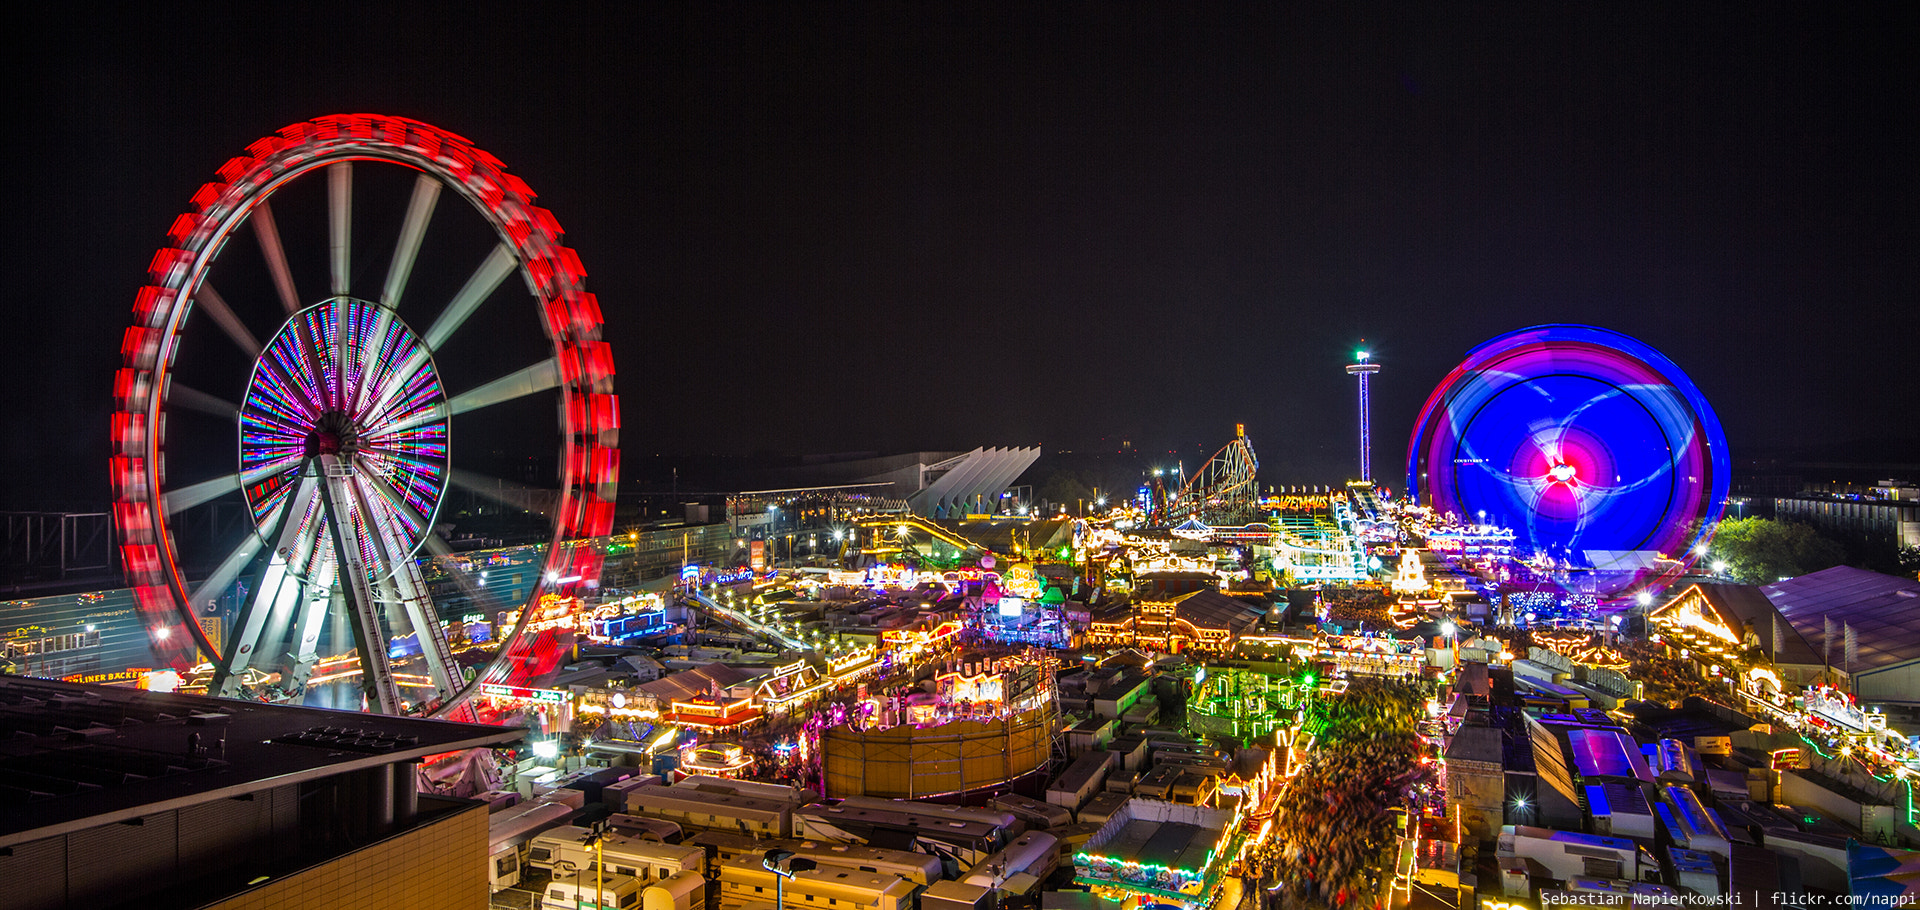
column 342, row 419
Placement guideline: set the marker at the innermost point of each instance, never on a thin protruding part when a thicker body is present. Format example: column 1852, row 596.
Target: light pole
column 596, row 835
column 599, row 838
column 783, row 864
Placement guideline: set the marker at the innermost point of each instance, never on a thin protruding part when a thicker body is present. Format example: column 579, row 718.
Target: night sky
column 940, row 226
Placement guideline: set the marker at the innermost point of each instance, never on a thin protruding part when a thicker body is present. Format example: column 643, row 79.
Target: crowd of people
column 1668, row 680
column 1337, row 820
column 1353, row 608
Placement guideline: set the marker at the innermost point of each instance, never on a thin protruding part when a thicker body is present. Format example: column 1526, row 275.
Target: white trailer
column 571, row 847
column 587, row 891
column 508, row 833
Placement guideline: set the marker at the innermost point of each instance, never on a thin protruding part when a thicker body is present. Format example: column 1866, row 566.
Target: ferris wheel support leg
column 274, row 596
column 376, row 671
column 313, row 619
column 273, row 591
column 409, row 589
column 427, row 630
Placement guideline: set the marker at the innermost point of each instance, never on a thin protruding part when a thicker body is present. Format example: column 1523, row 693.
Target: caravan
column 586, row 891
column 571, row 848
column 508, row 832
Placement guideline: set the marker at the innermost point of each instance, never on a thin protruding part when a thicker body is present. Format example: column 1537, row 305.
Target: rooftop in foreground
column 75, row 756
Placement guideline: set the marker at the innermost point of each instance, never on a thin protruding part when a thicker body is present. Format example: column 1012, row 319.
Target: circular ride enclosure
column 292, row 449
column 958, row 757
column 1583, row 441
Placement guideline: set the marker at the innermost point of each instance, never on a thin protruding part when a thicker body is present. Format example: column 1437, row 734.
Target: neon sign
column 519, row 693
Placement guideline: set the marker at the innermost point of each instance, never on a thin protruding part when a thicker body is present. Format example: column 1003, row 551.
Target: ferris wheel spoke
column 340, row 225
column 284, row 385
column 396, row 380
column 181, row 499
column 193, row 399
column 517, row 384
column 341, row 357
column 426, row 192
column 284, row 464
column 228, row 570
column 268, row 233
column 223, row 316
column 308, row 362
column 498, row 265
column 429, row 413
column 504, row 492
column 438, row 545
column 373, row 373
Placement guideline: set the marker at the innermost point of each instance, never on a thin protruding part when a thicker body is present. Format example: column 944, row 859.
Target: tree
column 1761, row 551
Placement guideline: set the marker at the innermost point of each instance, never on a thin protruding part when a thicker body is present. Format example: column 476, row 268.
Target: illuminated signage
column 133, row 675
column 546, row 696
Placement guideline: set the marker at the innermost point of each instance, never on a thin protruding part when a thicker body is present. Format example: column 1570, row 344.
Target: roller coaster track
column 892, row 525
column 735, row 617
column 1224, row 491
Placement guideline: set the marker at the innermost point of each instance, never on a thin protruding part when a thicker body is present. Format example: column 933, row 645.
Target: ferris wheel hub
column 347, row 381
column 334, row 434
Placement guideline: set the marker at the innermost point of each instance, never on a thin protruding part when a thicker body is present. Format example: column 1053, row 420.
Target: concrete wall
column 1898, row 684
column 125, row 863
column 1477, row 792
column 1799, row 791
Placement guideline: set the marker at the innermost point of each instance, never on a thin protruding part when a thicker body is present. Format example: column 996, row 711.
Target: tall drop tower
column 1362, row 370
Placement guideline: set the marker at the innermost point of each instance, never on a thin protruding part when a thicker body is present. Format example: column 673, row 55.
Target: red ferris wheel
column 287, row 462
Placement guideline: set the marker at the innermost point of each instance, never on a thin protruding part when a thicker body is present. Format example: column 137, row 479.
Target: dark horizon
column 901, row 228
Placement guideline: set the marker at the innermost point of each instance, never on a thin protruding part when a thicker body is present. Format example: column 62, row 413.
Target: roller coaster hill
column 1224, row 491
column 1311, row 535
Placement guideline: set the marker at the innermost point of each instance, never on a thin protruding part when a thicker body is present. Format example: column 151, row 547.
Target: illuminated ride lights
column 1362, row 370
column 1581, row 439
column 718, row 759
column 710, row 713
column 1248, row 704
column 1581, row 647
column 1109, row 868
column 346, row 426
column 1372, row 655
